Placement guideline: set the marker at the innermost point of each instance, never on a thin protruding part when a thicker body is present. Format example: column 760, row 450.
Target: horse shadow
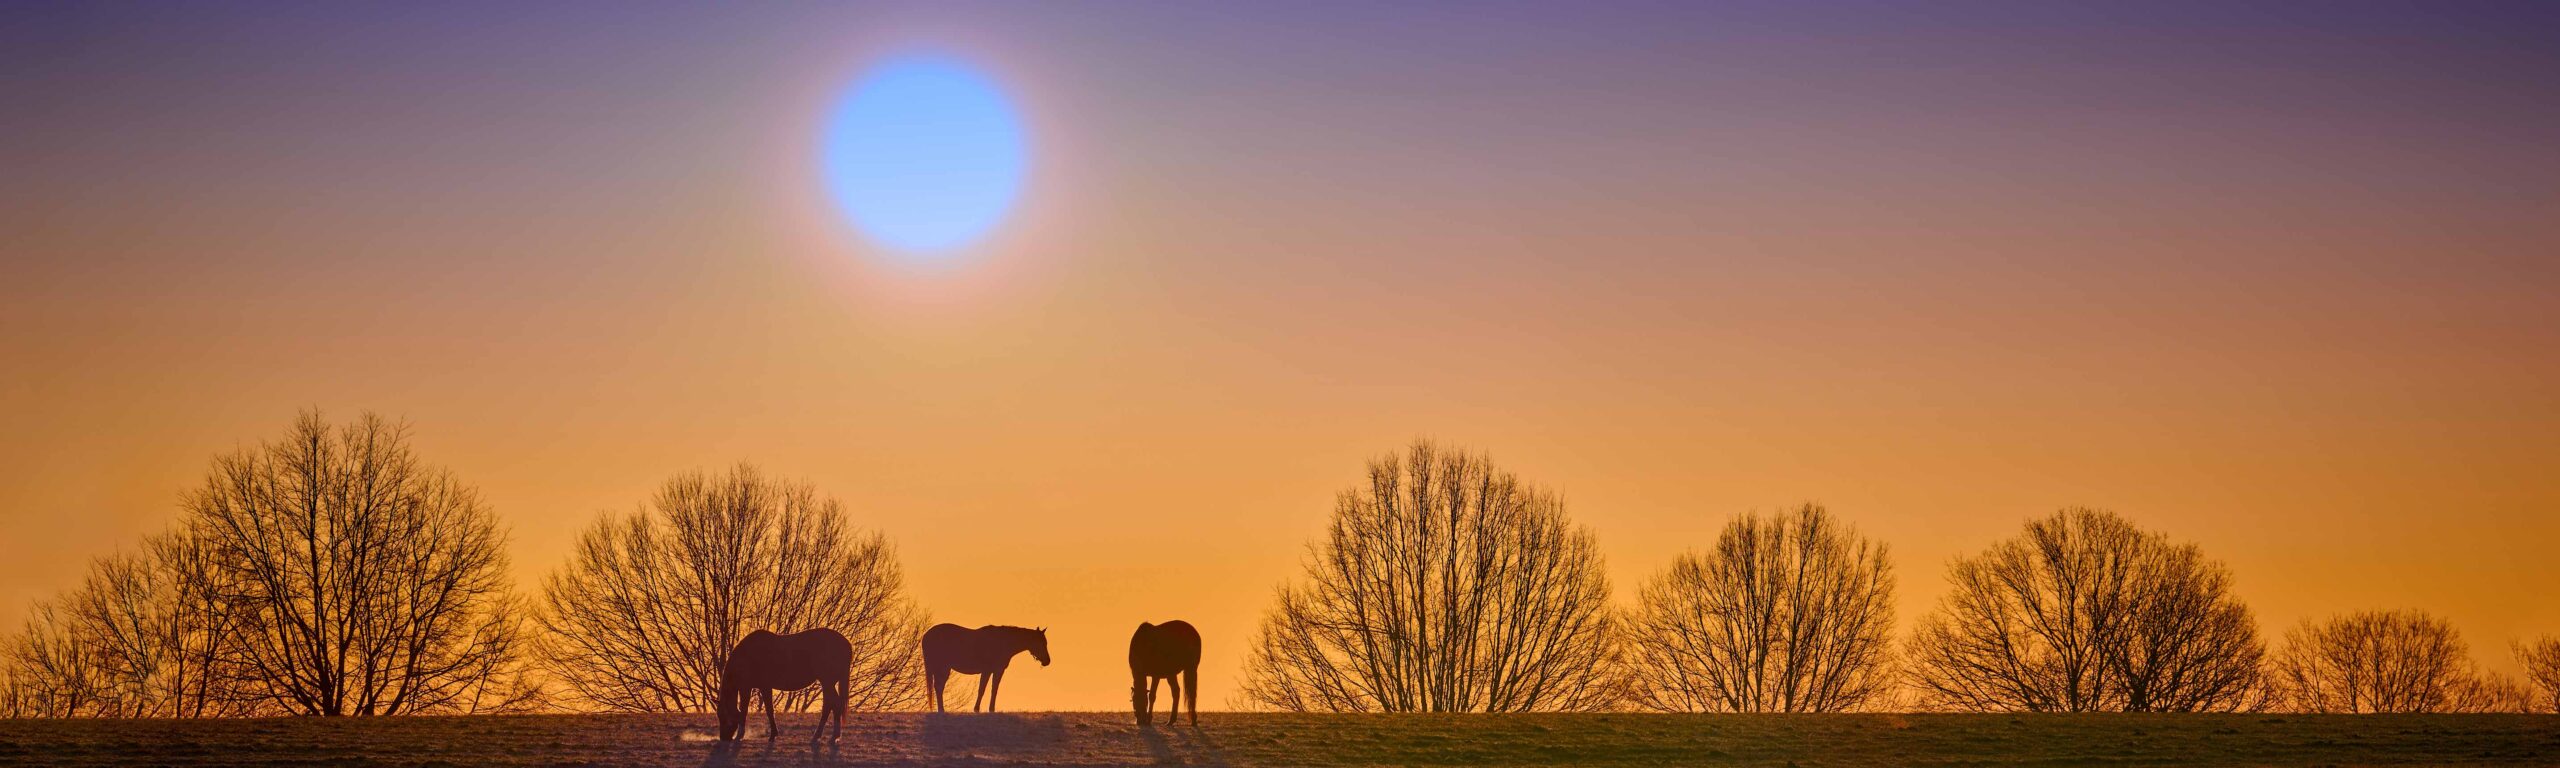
column 735, row 754
column 724, row 754
column 993, row 733
column 1189, row 746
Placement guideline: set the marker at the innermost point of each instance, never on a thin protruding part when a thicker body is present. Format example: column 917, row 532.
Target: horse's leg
column 826, row 709
column 837, row 695
column 994, row 688
column 979, row 704
column 1173, row 704
column 729, row 703
column 1191, row 682
column 934, row 678
column 771, row 729
column 1153, row 684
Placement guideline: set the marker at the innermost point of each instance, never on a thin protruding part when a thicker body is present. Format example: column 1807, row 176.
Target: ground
column 1311, row 740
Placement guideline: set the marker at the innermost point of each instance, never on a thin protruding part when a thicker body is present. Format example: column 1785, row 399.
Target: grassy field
column 1313, row 740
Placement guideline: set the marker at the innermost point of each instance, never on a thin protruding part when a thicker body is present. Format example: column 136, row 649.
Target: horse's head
column 732, row 707
column 1040, row 645
column 1139, row 703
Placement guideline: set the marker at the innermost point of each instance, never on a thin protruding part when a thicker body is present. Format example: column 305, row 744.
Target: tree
column 1791, row 612
column 2493, row 692
column 158, row 633
column 1443, row 585
column 142, row 636
column 50, row 672
column 2084, row 612
column 2541, row 660
column 14, row 697
column 360, row 581
column 644, row 615
column 2387, row 661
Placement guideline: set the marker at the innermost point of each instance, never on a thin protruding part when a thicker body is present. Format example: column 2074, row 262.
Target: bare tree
column 145, row 635
column 2541, row 660
column 15, row 699
column 1443, row 585
column 1791, row 612
column 51, row 673
column 359, row 580
column 644, row 615
column 2494, row 692
column 2084, row 612
column 2387, row 661
column 162, row 640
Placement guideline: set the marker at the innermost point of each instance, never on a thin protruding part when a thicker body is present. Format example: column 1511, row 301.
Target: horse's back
column 765, row 643
column 822, row 647
column 1179, row 632
column 970, row 651
column 790, row 662
column 1164, row 649
column 946, row 641
column 751, row 653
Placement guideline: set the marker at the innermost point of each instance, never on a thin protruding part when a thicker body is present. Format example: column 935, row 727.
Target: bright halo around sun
column 924, row 154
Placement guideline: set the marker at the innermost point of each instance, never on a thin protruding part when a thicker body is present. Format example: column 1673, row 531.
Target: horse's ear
column 1146, row 625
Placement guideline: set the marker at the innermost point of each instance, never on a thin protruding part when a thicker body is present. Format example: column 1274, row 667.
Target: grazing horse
column 984, row 652
column 769, row 662
column 1158, row 652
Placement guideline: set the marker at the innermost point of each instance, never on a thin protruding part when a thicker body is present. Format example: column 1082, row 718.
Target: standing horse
column 769, row 662
column 1158, row 652
column 984, row 652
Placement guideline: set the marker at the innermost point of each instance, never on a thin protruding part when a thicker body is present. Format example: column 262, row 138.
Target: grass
column 1313, row 740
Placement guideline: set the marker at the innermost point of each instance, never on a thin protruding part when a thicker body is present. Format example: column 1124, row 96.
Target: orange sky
column 2283, row 287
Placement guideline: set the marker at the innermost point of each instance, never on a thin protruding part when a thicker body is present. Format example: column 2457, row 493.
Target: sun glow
column 924, row 154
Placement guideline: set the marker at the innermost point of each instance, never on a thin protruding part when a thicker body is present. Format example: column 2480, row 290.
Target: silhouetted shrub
column 1791, row 612
column 2084, row 612
column 645, row 613
column 1442, row 585
column 2387, row 661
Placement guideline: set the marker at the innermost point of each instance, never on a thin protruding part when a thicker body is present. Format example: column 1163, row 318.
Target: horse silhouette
column 984, row 652
column 1159, row 652
column 768, row 662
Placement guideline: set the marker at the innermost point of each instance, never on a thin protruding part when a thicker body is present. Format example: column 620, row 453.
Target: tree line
column 332, row 572
column 1445, row 584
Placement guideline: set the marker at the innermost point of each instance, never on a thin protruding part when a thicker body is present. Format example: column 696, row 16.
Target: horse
column 1158, row 652
column 769, row 662
column 984, row 652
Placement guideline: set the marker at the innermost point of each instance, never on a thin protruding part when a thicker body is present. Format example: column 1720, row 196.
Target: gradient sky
column 2284, row 281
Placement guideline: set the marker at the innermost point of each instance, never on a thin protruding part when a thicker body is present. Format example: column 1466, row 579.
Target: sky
column 2280, row 281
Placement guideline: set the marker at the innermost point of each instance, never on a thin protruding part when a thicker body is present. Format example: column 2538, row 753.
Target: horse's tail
column 1191, row 690
column 933, row 679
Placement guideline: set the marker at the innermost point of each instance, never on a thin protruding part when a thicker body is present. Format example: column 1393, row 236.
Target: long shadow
column 764, row 751
column 1031, row 735
column 822, row 753
column 1190, row 746
column 724, row 754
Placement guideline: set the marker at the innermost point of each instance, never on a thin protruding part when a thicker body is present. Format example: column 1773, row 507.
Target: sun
column 924, row 154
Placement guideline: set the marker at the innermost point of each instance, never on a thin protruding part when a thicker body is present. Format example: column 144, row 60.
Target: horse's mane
column 1010, row 628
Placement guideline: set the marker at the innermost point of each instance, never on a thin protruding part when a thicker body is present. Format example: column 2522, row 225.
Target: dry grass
column 1310, row 740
